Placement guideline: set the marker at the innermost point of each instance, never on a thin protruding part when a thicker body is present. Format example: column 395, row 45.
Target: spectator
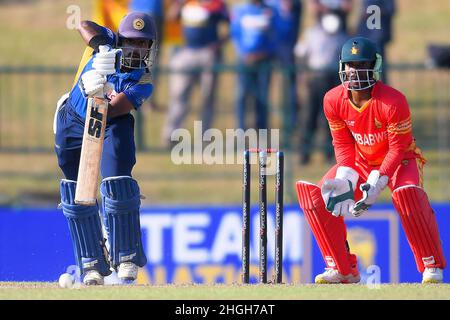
column 380, row 36
column 320, row 51
column 341, row 8
column 287, row 27
column 202, row 50
column 253, row 34
column 173, row 30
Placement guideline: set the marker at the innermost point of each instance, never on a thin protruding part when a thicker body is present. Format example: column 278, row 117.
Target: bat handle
column 104, row 48
column 100, row 94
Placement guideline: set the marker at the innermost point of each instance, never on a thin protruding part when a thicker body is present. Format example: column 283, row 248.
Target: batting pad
column 421, row 229
column 121, row 202
column 329, row 231
column 85, row 230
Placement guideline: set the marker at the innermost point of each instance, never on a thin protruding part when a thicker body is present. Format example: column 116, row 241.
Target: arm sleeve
column 399, row 129
column 106, row 37
column 138, row 93
column 110, row 35
column 343, row 142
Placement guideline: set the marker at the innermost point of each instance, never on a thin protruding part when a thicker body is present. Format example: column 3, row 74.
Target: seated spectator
column 319, row 52
column 253, row 34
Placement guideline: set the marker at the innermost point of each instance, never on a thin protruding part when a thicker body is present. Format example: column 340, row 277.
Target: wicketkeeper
column 374, row 147
column 129, row 84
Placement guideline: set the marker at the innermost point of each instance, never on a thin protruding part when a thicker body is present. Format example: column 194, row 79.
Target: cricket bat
column 91, row 151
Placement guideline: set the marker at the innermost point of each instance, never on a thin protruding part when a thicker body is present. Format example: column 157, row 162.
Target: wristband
column 99, row 40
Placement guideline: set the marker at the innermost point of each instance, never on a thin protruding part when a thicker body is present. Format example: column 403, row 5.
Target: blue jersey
column 200, row 21
column 152, row 7
column 253, row 28
column 136, row 85
column 287, row 20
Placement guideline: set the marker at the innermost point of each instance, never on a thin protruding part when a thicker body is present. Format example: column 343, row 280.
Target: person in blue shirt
column 202, row 50
column 127, row 85
column 289, row 13
column 380, row 36
column 253, row 33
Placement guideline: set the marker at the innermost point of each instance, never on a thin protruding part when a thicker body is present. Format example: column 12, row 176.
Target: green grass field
column 24, row 290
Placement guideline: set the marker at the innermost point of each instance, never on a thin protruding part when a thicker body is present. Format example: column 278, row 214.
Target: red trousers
column 412, row 204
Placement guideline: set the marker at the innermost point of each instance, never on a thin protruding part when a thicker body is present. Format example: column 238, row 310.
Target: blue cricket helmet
column 138, row 26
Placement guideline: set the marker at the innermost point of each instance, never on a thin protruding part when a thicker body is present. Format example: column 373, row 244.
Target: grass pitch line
column 51, row 291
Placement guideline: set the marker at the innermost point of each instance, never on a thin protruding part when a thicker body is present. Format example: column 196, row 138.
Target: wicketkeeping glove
column 338, row 193
column 371, row 190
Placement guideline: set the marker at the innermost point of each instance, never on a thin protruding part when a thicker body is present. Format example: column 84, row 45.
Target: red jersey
column 379, row 134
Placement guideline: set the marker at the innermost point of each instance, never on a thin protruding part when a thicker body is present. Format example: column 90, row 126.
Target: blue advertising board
column 202, row 244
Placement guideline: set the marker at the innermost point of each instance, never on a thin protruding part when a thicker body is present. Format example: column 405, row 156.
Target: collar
column 374, row 93
column 132, row 75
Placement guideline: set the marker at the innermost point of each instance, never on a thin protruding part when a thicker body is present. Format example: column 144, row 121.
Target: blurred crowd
column 265, row 35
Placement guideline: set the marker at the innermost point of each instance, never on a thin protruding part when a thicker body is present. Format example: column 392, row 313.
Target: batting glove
column 106, row 61
column 92, row 83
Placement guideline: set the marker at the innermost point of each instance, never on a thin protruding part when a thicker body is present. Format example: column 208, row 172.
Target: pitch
column 47, row 290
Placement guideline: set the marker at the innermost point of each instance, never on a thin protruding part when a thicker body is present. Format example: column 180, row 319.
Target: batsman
column 375, row 149
column 115, row 70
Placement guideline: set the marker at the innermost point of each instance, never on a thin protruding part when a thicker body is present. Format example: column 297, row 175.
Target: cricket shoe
column 332, row 276
column 127, row 271
column 93, row 278
column 432, row 275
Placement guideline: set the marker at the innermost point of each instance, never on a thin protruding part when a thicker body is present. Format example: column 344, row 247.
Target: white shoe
column 331, row 276
column 127, row 271
column 93, row 278
column 432, row 275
